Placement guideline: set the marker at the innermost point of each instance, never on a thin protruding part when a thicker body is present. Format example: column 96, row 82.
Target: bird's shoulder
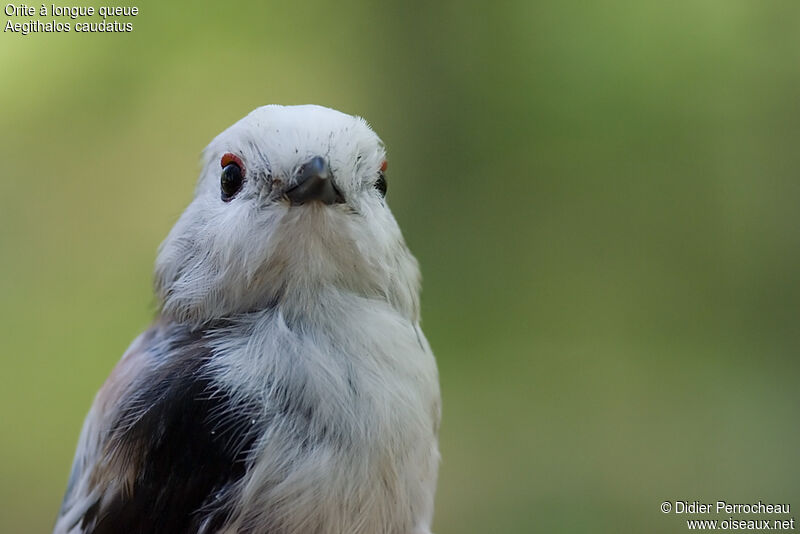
column 162, row 446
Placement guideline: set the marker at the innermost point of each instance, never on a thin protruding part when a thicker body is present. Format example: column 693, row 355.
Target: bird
column 285, row 385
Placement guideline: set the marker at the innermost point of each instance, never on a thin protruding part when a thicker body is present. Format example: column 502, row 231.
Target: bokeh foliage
column 603, row 197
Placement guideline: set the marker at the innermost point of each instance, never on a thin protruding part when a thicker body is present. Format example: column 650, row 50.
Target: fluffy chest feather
column 284, row 425
column 356, row 452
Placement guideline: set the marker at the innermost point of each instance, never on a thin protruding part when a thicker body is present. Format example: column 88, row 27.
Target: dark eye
column 380, row 184
column 232, row 177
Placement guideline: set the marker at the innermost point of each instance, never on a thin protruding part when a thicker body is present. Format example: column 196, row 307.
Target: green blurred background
column 603, row 198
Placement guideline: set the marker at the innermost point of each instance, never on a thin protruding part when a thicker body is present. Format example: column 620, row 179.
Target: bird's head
column 290, row 208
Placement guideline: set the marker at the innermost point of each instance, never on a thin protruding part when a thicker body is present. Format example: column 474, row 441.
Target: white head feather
column 224, row 258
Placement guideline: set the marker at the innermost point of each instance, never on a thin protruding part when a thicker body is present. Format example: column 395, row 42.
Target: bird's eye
column 380, row 183
column 232, row 177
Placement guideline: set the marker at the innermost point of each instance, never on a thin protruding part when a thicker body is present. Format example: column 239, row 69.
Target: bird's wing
column 162, row 448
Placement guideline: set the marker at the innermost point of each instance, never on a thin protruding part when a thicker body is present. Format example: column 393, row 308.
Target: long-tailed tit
column 285, row 386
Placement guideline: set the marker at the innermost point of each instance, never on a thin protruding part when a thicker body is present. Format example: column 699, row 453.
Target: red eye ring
column 384, row 164
column 229, row 158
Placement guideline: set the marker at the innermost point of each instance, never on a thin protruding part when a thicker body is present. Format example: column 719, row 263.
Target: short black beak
column 314, row 182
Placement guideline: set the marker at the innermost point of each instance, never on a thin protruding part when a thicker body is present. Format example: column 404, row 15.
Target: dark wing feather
column 174, row 444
